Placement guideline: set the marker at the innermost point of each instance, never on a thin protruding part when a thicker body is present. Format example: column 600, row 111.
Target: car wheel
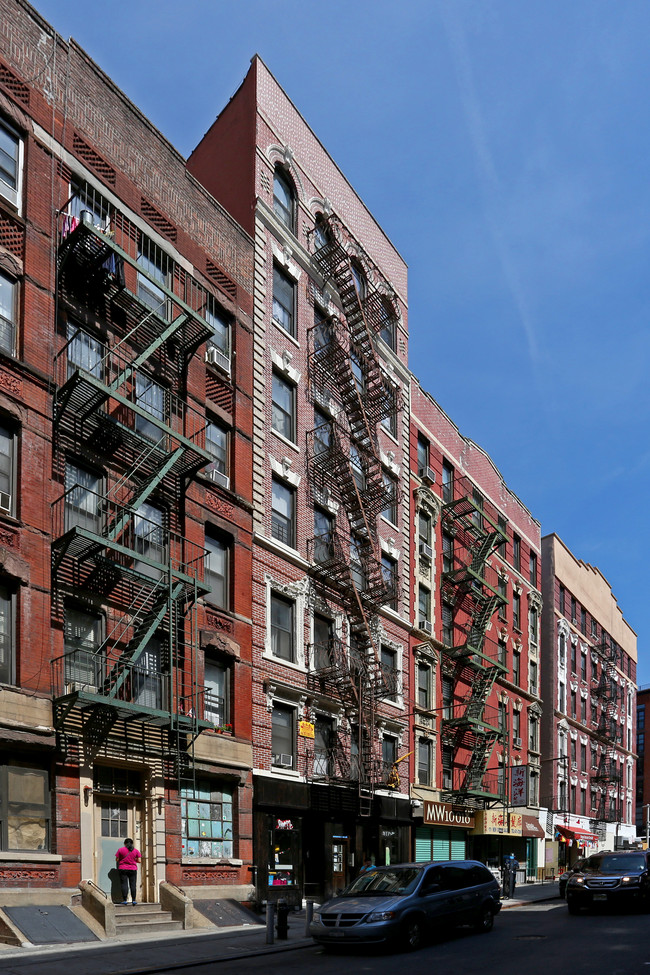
column 413, row 935
column 573, row 908
column 484, row 921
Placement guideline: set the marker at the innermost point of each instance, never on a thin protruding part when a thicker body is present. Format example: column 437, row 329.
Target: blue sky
column 503, row 145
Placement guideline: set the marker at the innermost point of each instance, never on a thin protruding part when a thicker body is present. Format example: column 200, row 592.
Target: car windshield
column 621, row 864
column 378, row 882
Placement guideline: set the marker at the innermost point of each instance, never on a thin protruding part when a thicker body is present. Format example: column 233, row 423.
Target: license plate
column 600, row 897
column 337, row 934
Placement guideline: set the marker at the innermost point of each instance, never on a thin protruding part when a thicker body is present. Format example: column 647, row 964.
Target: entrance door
column 339, row 864
column 115, row 819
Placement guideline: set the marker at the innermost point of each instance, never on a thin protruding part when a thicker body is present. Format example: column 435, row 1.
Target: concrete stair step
column 148, row 928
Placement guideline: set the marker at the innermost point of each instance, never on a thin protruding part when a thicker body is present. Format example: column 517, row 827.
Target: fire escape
column 470, row 728
column 117, row 537
column 344, row 466
column 609, row 771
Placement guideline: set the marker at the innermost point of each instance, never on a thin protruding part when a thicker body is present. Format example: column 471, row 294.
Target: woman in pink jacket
column 127, row 859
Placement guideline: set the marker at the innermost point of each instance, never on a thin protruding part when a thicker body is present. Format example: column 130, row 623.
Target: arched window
column 321, row 232
column 284, row 199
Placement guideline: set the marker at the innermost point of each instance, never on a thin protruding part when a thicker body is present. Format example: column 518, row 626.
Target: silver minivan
column 404, row 902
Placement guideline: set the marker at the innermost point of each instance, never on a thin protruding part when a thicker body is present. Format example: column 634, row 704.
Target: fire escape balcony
column 471, row 788
column 108, row 255
column 472, row 518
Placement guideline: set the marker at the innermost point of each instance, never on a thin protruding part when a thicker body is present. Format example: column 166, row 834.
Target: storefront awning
column 581, row 836
column 531, row 827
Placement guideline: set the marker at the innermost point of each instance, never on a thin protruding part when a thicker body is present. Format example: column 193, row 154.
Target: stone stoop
column 143, row 919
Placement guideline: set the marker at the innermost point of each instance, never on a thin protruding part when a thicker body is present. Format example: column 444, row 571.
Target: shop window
column 283, row 737
column 24, row 809
column 207, row 820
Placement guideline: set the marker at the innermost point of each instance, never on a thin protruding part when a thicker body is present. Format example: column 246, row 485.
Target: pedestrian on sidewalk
column 127, row 859
column 509, row 875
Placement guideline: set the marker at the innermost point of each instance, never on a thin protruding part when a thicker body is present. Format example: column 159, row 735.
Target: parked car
column 564, row 877
column 402, row 903
column 610, row 879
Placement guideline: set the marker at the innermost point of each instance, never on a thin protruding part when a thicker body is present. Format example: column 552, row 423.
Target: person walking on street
column 127, row 859
column 510, row 867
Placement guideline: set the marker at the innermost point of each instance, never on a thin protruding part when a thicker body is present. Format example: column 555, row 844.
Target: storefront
column 498, row 833
column 574, row 842
column 443, row 833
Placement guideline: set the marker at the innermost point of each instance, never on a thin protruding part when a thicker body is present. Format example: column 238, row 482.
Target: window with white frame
column 323, row 641
column 153, row 277
column 283, row 512
column 390, row 491
column 284, row 198
column 11, row 164
column 283, row 736
column 150, row 397
column 216, row 444
column 283, row 407
column 424, row 674
column 219, row 344
column 424, row 761
column 216, row 683
column 390, row 579
column 150, row 540
column 83, row 639
column 8, row 313
column 8, row 452
column 83, row 498
column 217, row 566
column 85, row 352
column 390, row 673
column 282, row 627
column 323, row 536
column 284, row 301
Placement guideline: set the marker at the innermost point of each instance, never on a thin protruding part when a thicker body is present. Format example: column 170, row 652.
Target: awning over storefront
column 581, row 836
column 531, row 827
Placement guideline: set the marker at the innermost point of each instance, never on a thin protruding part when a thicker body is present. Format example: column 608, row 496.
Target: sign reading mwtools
column 442, row 814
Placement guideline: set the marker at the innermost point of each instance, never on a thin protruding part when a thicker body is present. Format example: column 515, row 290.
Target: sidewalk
column 174, row 950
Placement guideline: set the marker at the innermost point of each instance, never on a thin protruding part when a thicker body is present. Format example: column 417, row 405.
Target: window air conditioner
column 426, row 551
column 5, row 501
column 286, row 761
column 215, row 357
column 428, row 475
column 218, row 476
column 517, row 742
column 425, row 626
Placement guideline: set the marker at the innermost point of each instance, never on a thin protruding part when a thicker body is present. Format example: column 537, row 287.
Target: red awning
column 531, row 827
column 581, row 836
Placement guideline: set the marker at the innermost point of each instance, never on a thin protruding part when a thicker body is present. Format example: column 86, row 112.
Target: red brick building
column 589, row 690
column 476, row 657
column 642, row 788
column 331, row 611
column 125, row 504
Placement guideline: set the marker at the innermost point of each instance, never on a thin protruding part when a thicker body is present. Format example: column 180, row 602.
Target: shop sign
column 306, row 729
column 283, row 824
column 500, row 822
column 388, row 833
column 518, row 787
column 442, row 814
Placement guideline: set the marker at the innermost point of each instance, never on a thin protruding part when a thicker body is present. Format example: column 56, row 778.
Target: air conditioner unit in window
column 217, row 476
column 426, row 551
column 428, row 475
column 5, row 501
column 517, row 742
column 286, row 761
column 215, row 357
column 425, row 626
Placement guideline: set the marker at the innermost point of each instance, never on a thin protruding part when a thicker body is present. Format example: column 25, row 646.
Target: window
column 83, row 499
column 574, row 703
column 218, row 347
column 323, row 746
column 8, row 313
column 217, row 696
column 283, row 408
column 503, row 527
column 447, row 552
column 357, row 569
column 447, row 698
column 322, row 432
column 447, row 624
column 389, row 422
column 282, row 627
column 216, row 444
column 532, row 688
column 284, row 301
column 447, row 773
column 387, row 324
column 424, row 527
column 323, row 529
column 207, row 820
column 574, row 666
column 516, row 724
column 502, row 652
column 423, row 452
column 424, row 604
column 150, row 539
column 390, row 494
column 149, row 682
column 594, row 629
column 583, row 620
column 502, row 586
column 447, row 482
column 7, row 642
column 533, row 569
column 150, row 397
column 562, row 600
column 389, row 752
column 323, row 633
column 533, row 732
column 217, row 571
column 516, row 610
column 25, row 806
column 478, row 502
column 583, row 757
column 283, row 512
column 424, row 761
column 284, row 199
column 574, row 618
column 533, row 625
column 562, row 650
column 84, row 352
column 11, row 164
column 516, row 667
column 358, row 368
column 153, row 276
column 516, row 552
column 390, row 673
column 389, row 578
column 357, row 467
column 562, row 699
column 83, row 638
column 359, row 279
column 583, row 710
column 583, row 666
column 283, row 737
column 424, row 686
column 7, row 470
column 321, row 233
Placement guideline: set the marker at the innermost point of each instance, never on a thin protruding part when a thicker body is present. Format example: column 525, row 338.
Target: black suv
column 610, row 879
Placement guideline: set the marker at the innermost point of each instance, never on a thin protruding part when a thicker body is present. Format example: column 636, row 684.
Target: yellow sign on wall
column 306, row 729
column 498, row 821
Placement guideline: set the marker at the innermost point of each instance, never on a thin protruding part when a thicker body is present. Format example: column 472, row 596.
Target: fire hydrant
column 282, row 925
